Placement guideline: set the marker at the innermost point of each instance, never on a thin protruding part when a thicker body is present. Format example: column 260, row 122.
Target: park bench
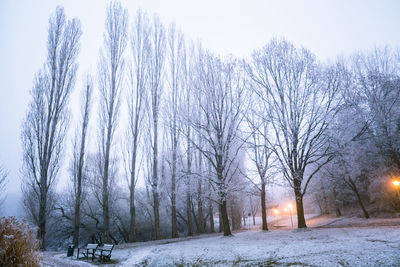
column 90, row 249
column 104, row 252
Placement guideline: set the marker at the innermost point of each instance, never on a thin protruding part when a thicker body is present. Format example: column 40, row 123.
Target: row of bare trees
column 186, row 121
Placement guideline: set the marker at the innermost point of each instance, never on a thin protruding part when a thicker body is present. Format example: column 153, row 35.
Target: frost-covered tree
column 79, row 157
column 351, row 167
column 138, row 82
column 110, row 79
column 46, row 121
column 221, row 102
column 300, row 102
column 175, row 48
column 375, row 96
column 156, row 83
column 259, row 150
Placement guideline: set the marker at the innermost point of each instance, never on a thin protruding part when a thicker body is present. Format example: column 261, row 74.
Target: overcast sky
column 327, row 28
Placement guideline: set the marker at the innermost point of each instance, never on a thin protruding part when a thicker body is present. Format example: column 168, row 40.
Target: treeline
column 206, row 134
column 364, row 138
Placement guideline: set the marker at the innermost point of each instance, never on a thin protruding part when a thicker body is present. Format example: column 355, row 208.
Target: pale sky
column 327, row 28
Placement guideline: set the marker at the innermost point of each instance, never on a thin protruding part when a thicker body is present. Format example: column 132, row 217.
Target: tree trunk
column 301, row 221
column 77, row 211
column 77, row 218
column 221, row 225
column 156, row 203
column 188, row 213
column 81, row 160
column 210, row 211
column 106, row 211
column 106, row 214
column 132, row 222
column 156, row 210
column 225, row 219
column 337, row 208
column 325, row 201
column 200, row 208
column 355, row 190
column 263, row 208
column 42, row 220
column 132, row 208
column 174, row 230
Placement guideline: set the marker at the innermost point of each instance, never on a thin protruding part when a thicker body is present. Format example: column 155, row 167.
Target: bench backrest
column 108, row 247
column 92, row 246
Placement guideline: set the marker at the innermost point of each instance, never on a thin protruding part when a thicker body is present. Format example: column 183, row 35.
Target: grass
column 239, row 261
column 98, row 262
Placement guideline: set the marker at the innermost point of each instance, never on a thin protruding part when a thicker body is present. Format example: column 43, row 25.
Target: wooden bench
column 104, row 252
column 90, row 249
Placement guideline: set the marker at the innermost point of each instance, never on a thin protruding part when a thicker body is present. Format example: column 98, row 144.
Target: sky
column 328, row 28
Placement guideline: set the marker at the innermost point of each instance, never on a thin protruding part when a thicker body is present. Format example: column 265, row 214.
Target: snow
column 316, row 247
column 51, row 259
column 329, row 241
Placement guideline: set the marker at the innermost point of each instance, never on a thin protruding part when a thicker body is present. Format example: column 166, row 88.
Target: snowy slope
column 317, row 247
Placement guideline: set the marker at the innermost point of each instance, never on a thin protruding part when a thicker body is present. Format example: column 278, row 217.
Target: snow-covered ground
column 316, row 247
column 329, row 243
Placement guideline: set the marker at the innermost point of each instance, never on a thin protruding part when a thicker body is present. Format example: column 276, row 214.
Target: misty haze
column 209, row 133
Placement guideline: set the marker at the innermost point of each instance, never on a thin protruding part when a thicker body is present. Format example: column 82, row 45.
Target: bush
column 18, row 245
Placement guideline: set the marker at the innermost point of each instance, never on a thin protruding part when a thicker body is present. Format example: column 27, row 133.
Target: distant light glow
column 396, row 183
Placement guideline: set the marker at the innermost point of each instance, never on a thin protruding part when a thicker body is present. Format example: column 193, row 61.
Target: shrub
column 18, row 245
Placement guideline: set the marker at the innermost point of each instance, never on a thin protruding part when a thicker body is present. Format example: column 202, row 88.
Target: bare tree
column 45, row 125
column 175, row 48
column 111, row 68
column 138, row 78
column 156, row 72
column 188, row 81
column 300, row 103
column 260, row 153
column 254, row 206
column 79, row 156
column 221, row 94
